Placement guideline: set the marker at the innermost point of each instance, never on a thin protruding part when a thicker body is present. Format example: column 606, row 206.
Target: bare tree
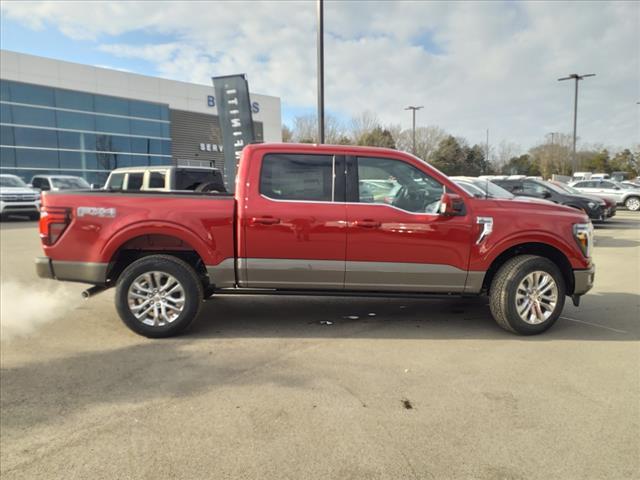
column 363, row 124
column 506, row 151
column 427, row 141
column 287, row 134
column 305, row 130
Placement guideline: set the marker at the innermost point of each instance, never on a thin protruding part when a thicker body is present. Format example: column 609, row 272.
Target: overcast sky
column 472, row 65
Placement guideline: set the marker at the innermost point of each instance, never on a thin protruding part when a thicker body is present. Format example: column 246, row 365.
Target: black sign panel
column 236, row 123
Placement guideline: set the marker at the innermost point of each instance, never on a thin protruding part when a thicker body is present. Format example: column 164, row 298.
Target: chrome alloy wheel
column 536, row 297
column 156, row 298
column 632, row 204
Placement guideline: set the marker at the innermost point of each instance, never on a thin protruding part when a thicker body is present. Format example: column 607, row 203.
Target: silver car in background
column 623, row 195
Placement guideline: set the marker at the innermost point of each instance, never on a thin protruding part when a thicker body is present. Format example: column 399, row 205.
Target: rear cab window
column 301, row 177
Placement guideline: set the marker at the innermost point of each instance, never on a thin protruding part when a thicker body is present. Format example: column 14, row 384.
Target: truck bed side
column 103, row 225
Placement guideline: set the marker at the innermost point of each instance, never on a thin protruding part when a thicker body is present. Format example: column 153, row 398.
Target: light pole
column 320, row 47
column 410, row 107
column 577, row 78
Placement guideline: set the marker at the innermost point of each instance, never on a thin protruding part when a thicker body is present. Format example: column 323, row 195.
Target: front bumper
column 583, row 280
column 83, row 272
column 19, row 207
column 597, row 213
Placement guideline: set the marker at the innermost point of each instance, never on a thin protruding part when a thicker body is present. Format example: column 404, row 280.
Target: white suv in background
column 628, row 197
column 17, row 198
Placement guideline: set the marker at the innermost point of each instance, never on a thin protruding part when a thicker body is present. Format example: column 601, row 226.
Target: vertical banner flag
column 236, row 123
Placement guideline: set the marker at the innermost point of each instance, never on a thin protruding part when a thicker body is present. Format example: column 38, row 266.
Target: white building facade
column 60, row 117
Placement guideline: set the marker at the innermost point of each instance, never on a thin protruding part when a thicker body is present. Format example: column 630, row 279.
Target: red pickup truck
column 318, row 219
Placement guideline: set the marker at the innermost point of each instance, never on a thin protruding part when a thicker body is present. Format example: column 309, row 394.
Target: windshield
column 555, row 188
column 471, row 189
column 12, row 182
column 567, row 189
column 492, row 190
column 70, row 183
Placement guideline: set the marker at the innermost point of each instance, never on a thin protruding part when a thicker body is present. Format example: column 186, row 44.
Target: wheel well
column 540, row 249
column 154, row 244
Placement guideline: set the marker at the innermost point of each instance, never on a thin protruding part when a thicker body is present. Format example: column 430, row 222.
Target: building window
column 31, row 94
column 26, row 157
column 75, row 121
column 113, row 105
column 74, row 100
column 112, row 124
column 36, row 137
column 41, row 117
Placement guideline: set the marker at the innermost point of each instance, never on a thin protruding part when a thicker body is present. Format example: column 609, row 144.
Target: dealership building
column 71, row 119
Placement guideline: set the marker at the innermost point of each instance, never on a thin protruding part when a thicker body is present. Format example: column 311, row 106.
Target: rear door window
column 299, row 177
column 134, row 181
column 157, row 179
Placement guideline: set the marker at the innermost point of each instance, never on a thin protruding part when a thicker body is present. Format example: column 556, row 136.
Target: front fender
column 489, row 251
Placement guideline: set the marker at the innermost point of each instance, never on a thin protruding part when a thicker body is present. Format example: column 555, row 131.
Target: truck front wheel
column 158, row 296
column 527, row 295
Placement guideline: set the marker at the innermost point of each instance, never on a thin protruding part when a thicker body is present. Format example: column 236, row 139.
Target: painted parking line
column 594, row 325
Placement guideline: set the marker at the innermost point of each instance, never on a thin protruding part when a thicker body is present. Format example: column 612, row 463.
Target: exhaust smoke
column 26, row 306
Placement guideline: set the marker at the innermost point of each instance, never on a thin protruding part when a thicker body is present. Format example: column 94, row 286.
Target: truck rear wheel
column 527, row 295
column 158, row 296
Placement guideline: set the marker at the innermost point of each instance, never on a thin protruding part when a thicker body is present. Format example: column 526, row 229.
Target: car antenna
column 486, row 188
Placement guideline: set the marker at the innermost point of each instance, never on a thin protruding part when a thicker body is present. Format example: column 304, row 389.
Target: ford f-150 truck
column 318, row 220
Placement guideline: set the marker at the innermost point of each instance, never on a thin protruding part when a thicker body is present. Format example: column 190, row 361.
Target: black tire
column 210, row 187
column 182, row 272
column 632, row 204
column 502, row 293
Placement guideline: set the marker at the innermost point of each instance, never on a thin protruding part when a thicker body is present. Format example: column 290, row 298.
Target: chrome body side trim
column 223, row 275
column 404, row 277
column 293, row 273
column 487, row 228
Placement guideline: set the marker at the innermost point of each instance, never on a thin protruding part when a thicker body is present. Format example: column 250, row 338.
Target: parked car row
column 20, row 198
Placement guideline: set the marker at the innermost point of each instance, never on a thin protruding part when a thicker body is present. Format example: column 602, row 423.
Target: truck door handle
column 367, row 223
column 265, row 220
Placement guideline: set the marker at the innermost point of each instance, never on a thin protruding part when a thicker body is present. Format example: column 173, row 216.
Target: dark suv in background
column 527, row 187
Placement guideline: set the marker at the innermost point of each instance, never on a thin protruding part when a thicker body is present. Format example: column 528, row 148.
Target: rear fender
column 207, row 252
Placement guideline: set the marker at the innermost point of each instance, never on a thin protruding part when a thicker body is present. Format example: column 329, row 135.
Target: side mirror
column 546, row 194
column 616, row 188
column 44, row 187
column 451, row 204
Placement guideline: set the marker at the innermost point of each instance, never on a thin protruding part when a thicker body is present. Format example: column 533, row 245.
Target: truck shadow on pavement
column 608, row 317
column 209, row 356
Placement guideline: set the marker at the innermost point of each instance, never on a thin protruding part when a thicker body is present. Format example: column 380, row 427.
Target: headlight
column 583, row 233
column 591, row 205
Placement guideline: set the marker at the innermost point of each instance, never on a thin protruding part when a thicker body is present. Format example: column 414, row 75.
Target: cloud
column 474, row 65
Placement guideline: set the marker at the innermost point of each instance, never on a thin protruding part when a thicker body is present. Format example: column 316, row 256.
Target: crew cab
column 304, row 219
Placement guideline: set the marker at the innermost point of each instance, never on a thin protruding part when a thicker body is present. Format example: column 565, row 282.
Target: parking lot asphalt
column 265, row 388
